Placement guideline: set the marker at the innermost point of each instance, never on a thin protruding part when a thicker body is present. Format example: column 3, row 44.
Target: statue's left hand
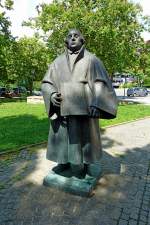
column 94, row 112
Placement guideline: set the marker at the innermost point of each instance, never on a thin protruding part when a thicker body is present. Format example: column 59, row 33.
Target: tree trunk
column 30, row 86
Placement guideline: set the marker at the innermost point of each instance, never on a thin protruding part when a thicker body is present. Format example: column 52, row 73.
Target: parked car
column 3, row 91
column 148, row 89
column 19, row 90
column 36, row 93
column 137, row 91
column 6, row 93
column 9, row 94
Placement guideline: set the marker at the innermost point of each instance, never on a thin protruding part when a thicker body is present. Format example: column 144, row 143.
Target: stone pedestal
column 72, row 184
column 35, row 99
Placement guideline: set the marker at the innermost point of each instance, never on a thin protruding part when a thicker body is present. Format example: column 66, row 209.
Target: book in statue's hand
column 74, row 100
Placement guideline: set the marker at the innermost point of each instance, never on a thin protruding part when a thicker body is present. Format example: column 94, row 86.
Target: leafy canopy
column 112, row 28
column 6, row 39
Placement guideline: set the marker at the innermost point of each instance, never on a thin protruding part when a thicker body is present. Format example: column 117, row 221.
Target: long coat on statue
column 74, row 137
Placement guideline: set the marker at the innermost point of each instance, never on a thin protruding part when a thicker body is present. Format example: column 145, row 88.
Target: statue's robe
column 74, row 137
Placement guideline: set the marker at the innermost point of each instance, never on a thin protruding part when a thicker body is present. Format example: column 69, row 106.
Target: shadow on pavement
column 24, row 200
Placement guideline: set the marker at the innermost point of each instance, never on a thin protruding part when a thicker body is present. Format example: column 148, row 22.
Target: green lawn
column 23, row 124
column 128, row 113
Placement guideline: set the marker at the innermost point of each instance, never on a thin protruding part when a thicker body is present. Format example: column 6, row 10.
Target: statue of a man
column 77, row 92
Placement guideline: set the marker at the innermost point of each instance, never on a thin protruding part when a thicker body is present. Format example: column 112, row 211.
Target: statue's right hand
column 56, row 99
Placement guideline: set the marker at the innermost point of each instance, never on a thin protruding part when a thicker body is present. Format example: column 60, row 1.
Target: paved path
column 122, row 196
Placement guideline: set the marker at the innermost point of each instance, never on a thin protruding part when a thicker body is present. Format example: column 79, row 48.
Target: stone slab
column 35, row 99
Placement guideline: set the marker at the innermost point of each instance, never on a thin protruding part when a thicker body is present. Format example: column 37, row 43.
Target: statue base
column 71, row 184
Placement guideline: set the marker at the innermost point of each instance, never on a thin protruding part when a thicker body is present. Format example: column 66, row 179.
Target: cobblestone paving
column 122, row 196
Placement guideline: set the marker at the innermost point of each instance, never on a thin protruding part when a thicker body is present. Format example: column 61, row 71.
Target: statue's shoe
column 80, row 173
column 61, row 167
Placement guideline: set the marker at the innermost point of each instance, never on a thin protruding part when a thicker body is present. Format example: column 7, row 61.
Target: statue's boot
column 79, row 171
column 61, row 167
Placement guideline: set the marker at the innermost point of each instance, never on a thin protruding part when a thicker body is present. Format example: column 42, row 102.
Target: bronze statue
column 77, row 92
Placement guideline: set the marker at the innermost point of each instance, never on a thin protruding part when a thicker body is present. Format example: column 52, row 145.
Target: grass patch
column 128, row 113
column 2, row 186
column 16, row 178
column 23, row 124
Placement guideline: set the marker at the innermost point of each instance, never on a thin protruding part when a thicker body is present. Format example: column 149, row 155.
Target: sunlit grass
column 22, row 124
column 128, row 113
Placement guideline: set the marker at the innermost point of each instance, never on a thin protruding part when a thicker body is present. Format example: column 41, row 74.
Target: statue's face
column 74, row 40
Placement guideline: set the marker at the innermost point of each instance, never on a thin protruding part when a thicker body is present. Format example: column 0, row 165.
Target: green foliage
column 147, row 64
column 142, row 65
column 32, row 61
column 111, row 28
column 6, row 40
column 22, row 61
column 25, row 61
column 8, row 4
column 37, row 85
column 147, row 82
column 128, row 85
column 8, row 68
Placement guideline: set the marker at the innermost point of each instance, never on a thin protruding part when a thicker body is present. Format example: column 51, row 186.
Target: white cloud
column 17, row 16
column 146, row 11
column 146, row 6
column 146, row 36
column 23, row 9
column 45, row 1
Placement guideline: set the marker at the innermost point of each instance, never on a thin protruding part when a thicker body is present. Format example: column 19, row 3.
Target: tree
column 112, row 28
column 24, row 60
column 7, row 4
column 6, row 39
column 144, row 63
column 31, row 62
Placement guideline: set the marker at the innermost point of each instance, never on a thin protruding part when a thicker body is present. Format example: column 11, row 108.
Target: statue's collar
column 79, row 53
column 73, row 53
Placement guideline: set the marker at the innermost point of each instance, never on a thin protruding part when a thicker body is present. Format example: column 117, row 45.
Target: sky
column 23, row 9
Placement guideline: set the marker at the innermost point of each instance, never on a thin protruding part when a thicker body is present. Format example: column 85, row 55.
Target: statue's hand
column 94, row 112
column 56, row 99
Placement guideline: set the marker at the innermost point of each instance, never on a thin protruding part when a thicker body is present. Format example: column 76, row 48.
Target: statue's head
column 74, row 40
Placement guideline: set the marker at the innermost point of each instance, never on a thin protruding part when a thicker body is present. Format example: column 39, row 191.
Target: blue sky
column 23, row 9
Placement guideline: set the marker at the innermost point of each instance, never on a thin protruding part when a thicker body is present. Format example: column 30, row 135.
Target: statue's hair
column 82, row 38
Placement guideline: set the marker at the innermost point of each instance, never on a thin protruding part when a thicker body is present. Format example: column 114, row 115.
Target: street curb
column 21, row 148
column 131, row 121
